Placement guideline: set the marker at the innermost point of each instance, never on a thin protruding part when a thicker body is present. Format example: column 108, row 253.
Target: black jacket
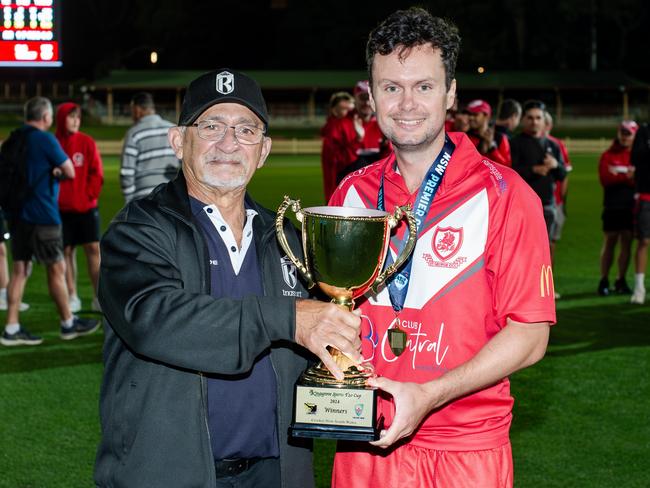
column 164, row 331
column 528, row 151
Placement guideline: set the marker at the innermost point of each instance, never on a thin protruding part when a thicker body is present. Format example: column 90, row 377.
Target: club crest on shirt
column 289, row 272
column 78, row 159
column 446, row 242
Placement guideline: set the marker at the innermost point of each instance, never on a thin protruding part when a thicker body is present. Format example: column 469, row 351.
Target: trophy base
column 340, row 432
column 335, row 411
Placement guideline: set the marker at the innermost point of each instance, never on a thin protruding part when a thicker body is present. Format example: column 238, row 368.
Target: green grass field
column 581, row 415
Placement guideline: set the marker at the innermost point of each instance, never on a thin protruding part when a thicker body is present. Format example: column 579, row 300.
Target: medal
column 397, row 340
column 399, row 285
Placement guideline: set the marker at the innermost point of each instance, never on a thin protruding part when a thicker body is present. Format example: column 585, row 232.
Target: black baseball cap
column 220, row 86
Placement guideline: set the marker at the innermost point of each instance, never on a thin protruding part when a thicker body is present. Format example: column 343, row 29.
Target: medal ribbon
column 398, row 285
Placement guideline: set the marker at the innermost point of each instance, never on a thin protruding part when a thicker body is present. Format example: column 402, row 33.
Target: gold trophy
column 345, row 249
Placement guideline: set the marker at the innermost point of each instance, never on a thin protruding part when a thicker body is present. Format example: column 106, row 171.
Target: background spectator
column 78, row 200
column 147, row 158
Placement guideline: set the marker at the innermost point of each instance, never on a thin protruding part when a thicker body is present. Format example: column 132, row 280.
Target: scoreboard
column 29, row 33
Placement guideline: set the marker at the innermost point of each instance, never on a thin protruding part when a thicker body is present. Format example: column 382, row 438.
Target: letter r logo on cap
column 225, row 82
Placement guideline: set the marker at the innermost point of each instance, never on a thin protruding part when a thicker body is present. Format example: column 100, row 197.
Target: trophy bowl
column 345, row 249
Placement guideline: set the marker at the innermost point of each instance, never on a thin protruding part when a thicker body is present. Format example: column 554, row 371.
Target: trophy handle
column 393, row 220
column 282, row 238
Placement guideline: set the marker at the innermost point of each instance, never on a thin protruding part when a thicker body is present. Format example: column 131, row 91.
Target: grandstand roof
column 328, row 80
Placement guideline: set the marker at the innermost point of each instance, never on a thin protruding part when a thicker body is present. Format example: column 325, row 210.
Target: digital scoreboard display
column 29, row 33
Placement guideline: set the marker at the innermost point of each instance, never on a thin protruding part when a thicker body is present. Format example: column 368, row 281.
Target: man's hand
column 550, row 162
column 321, row 324
column 541, row 169
column 413, row 402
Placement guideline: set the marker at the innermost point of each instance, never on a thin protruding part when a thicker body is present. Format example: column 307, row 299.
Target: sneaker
column 603, row 287
column 3, row 305
column 620, row 287
column 22, row 337
column 80, row 327
column 75, row 304
column 96, row 307
column 638, row 297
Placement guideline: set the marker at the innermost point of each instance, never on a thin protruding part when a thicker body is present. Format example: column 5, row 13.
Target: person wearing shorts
column 36, row 229
column 78, row 200
column 4, row 268
column 640, row 158
column 474, row 303
column 617, row 178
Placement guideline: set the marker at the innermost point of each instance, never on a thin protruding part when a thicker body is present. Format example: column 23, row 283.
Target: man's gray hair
column 36, row 108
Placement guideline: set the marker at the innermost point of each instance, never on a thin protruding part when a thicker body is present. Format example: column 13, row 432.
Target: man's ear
column 451, row 94
column 175, row 135
column 266, row 150
column 372, row 100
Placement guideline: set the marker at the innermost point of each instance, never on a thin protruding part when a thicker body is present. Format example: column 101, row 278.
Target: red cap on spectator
column 361, row 87
column 478, row 106
column 630, row 126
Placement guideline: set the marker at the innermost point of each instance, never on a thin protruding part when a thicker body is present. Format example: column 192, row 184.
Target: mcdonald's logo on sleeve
column 546, row 286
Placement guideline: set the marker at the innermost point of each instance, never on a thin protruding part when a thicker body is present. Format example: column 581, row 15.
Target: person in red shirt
column 78, row 200
column 356, row 139
column 476, row 300
column 492, row 144
column 617, row 177
column 341, row 103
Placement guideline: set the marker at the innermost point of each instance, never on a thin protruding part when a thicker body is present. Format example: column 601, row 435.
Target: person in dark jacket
column 617, row 177
column 207, row 324
column 640, row 159
column 537, row 159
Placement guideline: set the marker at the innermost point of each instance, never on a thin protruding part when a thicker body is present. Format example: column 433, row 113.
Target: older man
column 203, row 344
column 468, row 305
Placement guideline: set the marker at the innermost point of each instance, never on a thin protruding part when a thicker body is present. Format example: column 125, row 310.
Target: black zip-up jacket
column 528, row 151
column 164, row 331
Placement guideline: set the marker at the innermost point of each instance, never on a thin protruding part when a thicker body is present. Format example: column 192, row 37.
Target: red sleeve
column 328, row 159
column 95, row 172
column 518, row 258
column 501, row 154
column 607, row 177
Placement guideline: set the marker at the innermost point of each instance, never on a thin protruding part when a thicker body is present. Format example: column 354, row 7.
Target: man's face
column 226, row 164
column 533, row 122
column 341, row 109
column 72, row 122
column 410, row 97
column 478, row 120
column 625, row 137
column 362, row 103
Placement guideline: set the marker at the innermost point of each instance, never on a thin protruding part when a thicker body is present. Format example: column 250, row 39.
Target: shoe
column 638, row 297
column 80, row 327
column 22, row 337
column 23, row 306
column 96, row 307
column 75, row 304
column 603, row 287
column 620, row 287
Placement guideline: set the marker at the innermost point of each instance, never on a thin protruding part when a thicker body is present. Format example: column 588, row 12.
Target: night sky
column 100, row 35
